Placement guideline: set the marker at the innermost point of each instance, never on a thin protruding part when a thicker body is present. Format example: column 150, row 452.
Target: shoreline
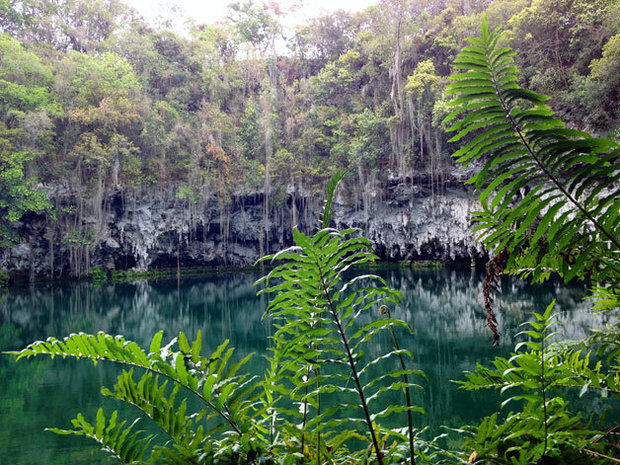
column 98, row 275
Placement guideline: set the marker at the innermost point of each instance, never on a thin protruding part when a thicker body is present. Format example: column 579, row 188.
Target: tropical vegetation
column 100, row 108
column 549, row 208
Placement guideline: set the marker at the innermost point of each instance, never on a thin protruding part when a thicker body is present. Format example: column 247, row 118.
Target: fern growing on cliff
column 548, row 193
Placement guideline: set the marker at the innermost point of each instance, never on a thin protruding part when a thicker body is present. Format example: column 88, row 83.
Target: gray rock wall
column 155, row 229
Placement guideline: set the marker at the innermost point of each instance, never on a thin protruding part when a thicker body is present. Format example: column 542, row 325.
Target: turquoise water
column 444, row 307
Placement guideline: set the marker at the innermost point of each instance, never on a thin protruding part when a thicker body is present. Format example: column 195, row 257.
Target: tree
column 421, row 88
column 17, row 192
column 324, row 39
column 24, row 80
column 65, row 24
column 595, row 96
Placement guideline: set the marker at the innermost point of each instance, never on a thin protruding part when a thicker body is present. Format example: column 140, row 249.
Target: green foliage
column 17, row 194
column 24, row 79
column 96, row 77
column 547, row 192
column 370, row 139
column 599, row 90
column 534, row 376
column 227, row 397
column 98, row 275
column 76, row 238
column 316, row 309
column 254, row 24
column 423, row 79
column 338, row 79
column 121, row 443
column 330, row 190
column 187, row 193
column 249, row 132
column 549, row 206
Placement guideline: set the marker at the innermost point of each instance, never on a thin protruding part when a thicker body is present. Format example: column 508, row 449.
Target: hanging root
column 490, row 287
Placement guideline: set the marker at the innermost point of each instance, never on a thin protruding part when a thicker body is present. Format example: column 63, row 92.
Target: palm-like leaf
column 548, row 193
column 120, row 442
column 533, row 376
column 227, row 396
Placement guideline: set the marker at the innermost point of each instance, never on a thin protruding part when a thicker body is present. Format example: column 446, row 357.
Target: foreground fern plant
column 549, row 206
column 536, row 375
column 548, row 193
column 225, row 395
column 317, row 309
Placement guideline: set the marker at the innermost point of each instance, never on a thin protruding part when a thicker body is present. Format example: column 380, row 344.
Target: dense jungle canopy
column 96, row 100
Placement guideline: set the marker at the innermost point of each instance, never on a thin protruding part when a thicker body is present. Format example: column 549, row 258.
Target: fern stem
column 358, row 385
column 385, row 309
column 603, row 456
column 317, row 373
column 305, row 417
column 543, row 384
column 107, row 448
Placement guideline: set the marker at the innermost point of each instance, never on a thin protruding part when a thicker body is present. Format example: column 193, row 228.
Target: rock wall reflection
column 443, row 307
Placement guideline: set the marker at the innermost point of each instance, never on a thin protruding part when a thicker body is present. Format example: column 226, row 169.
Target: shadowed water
column 444, row 308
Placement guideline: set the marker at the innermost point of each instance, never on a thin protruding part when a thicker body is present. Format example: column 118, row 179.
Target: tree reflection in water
column 444, row 308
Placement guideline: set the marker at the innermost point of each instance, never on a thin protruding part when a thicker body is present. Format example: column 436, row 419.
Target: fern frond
column 323, row 318
column 549, row 193
column 120, row 442
column 150, row 396
column 531, row 376
column 210, row 378
column 330, row 190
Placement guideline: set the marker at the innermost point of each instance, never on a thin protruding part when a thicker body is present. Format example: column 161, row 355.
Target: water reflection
column 444, row 308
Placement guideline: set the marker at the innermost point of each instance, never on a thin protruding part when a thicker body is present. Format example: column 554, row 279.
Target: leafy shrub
column 225, row 397
column 98, row 275
column 549, row 206
column 544, row 430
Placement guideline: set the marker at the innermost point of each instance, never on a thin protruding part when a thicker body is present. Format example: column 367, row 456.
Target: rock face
column 156, row 230
column 418, row 228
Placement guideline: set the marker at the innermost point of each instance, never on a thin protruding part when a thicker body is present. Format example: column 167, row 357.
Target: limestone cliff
column 156, row 229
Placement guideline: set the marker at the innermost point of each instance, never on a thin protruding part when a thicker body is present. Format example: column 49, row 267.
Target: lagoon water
column 444, row 307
